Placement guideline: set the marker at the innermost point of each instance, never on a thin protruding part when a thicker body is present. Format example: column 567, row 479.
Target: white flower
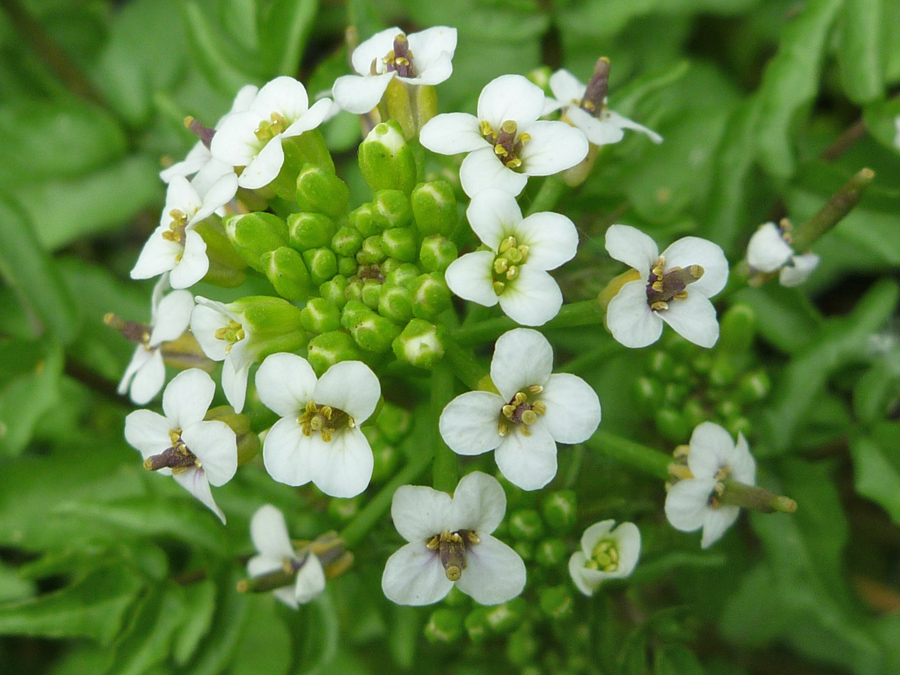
column 606, row 553
column 506, row 141
column 252, row 138
column 603, row 126
column 318, row 438
column 513, row 272
column 769, row 251
column 195, row 453
column 423, row 58
column 270, row 537
column 174, row 246
column 713, row 457
column 532, row 413
column 169, row 318
column 660, row 293
column 450, row 542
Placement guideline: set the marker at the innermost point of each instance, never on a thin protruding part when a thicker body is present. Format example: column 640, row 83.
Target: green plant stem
column 551, row 190
column 584, row 313
column 464, row 365
column 635, row 455
column 834, row 210
column 445, row 472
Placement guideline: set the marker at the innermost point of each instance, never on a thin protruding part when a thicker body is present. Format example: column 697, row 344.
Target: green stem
column 755, row 498
column 583, row 313
column 445, row 472
column 551, row 190
column 464, row 365
column 635, row 455
column 838, row 206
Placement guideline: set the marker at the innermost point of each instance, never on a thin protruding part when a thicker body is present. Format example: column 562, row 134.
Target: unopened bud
column 419, row 344
column 430, row 295
column 347, row 241
column 391, row 208
column 321, row 191
column 386, row 161
column 347, row 267
column 434, row 208
column 399, row 243
column 321, row 263
column 329, row 348
column 507, row 617
column 560, row 510
column 555, row 602
column 445, row 626
column 395, row 303
column 551, row 553
column 310, row 230
column 394, row 422
column 526, row 524
column 320, row 316
column 363, row 220
column 437, row 253
column 286, row 271
column 335, row 291
column 371, row 293
column 253, row 234
column 374, row 333
column 404, row 275
column 247, row 441
column 371, row 252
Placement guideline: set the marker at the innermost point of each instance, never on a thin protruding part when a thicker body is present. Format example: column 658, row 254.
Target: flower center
column 323, row 419
column 507, row 143
column 177, row 457
column 270, row 128
column 523, row 410
column 664, row 286
column 175, row 233
column 232, row 334
column 400, row 60
column 506, row 264
column 451, row 547
column 605, row 556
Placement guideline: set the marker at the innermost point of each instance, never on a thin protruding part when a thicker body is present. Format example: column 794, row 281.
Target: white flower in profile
column 660, row 290
column 506, row 142
column 692, row 503
column 170, row 315
column 423, row 58
column 514, row 271
column 175, row 246
column 252, row 138
column 318, row 437
column 450, row 543
column 606, row 553
column 196, row 453
column 584, row 105
column 769, row 251
column 269, row 533
column 533, row 412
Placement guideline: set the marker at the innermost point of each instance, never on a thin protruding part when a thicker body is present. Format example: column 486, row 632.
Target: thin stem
column 445, row 471
column 551, row 190
column 464, row 365
column 584, row 313
column 635, row 455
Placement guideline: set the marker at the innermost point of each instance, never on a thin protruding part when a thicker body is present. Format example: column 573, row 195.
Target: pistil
column 451, row 547
column 664, row 286
column 177, row 457
column 324, row 420
column 523, row 411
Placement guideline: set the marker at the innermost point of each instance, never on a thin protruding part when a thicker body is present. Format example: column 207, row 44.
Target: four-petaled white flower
column 423, row 58
column 318, row 438
column 659, row 291
column 601, row 126
column 514, row 271
column 606, row 553
column 270, row 537
column 170, row 315
column 769, row 251
column 252, row 138
column 196, row 453
column 450, row 542
column 174, row 246
column 691, row 503
column 533, row 412
column 506, row 142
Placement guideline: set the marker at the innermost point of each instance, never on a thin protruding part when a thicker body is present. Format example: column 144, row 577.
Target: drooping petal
column 566, row 87
column 689, row 251
column 767, row 250
column 285, row 594
column 597, row 130
column 139, row 359
column 187, row 398
column 631, row 246
column 433, row 50
column 350, row 386
column 205, row 321
column 357, row 94
column 532, row 299
column 310, row 580
column 234, row 381
column 798, row 270
column 470, row 277
column 622, row 122
column 269, row 533
column 693, row 318
column 194, row 263
column 522, row 357
column 494, row 215
column 149, row 378
column 158, row 256
column 573, row 409
column 494, row 572
column 195, row 160
column 420, row 512
column 551, row 239
column 553, row 147
column 194, row 481
column 172, row 317
column 213, row 443
column 342, row 467
column 263, row 168
column 528, row 462
column 451, row 133
column 286, row 453
column 580, row 574
column 479, row 504
column 414, row 576
column 711, row 448
column 717, row 521
column 219, row 183
column 510, row 97
column 148, row 432
column 285, row 383
column 469, row 423
column 482, row 169
column 263, row 564
column 630, row 319
column 687, row 503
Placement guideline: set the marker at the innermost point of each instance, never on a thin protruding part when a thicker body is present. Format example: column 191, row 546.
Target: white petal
column 693, row 318
column 286, row 453
column 598, row 131
column 206, row 318
column 420, row 512
column 285, row 383
column 374, row 49
column 235, row 142
column 234, row 381
column 631, row 246
column 148, row 432
column 194, row 263
column 187, row 398
column 180, row 196
column 263, row 564
column 310, row 580
column 195, row 160
column 798, row 270
column 687, row 503
column 320, row 111
column 532, row 299
column 218, row 184
column 283, row 95
column 551, row 105
column 158, row 256
column 451, row 133
column 577, row 571
column 433, row 50
column 470, row 277
column 213, row 443
column 469, row 423
column 172, row 317
column 414, row 576
column 711, row 448
column 630, row 319
column 149, row 378
column 528, row 462
column 628, row 537
column 717, row 521
column 743, row 466
column 482, row 169
column 263, row 168
column 522, row 357
column 494, row 215
column 510, row 97
column 494, row 573
column 573, row 409
column 554, row 147
column 594, row 534
column 344, row 464
column 696, row 251
column 551, row 239
column 269, row 533
column 359, row 95
column 624, row 123
column 479, row 504
column 350, row 386
column 566, row 87
column 242, row 100
column 285, row 594
column 194, row 481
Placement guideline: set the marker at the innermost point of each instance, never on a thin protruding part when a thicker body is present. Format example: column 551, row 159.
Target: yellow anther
column 658, row 306
column 506, row 244
column 534, row 390
column 657, row 286
column 499, row 287
column 500, row 265
column 529, row 417
column 680, row 296
column 502, row 428
column 521, row 397
column 514, row 163
column 539, row 408
column 524, row 138
column 508, row 410
column 512, row 273
column 500, row 151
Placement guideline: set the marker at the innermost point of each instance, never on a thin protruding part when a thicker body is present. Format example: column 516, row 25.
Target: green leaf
column 785, row 317
column 879, row 118
column 201, row 598
column 876, row 467
column 13, row 586
column 265, row 644
column 92, row 607
column 676, row 660
column 284, row 33
column 860, row 49
column 232, row 613
column 27, row 267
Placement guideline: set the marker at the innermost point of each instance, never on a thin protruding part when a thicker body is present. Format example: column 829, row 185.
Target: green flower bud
column 253, row 234
column 674, row 393
column 524, row 548
column 755, row 386
column 476, row 624
column 456, row 598
column 419, row 344
column 320, row 316
column 739, row 425
column 723, row 373
column 434, row 208
column 285, row 269
column 672, row 425
column 702, row 363
column 737, row 329
column 300, row 151
column 374, row 333
column 274, row 324
column 395, row 303
column 335, row 291
column 329, row 348
column 396, row 100
column 728, row 409
column 560, row 510
column 426, row 104
column 343, row 510
column 660, row 363
column 353, row 312
column 507, row 617
column 445, row 626
column 694, row 412
column 681, row 372
column 437, row 253
column 371, row 252
column 310, row 230
column 386, row 161
column 648, row 393
column 389, row 265
column 430, row 295
column 391, row 208
column 404, row 275
column 371, row 293
column 526, row 524
column 394, row 422
column 353, row 292
column 399, row 243
column 320, row 191
column 347, row 267
column 556, row 602
column 347, row 241
column 321, row 263
column 522, row 647
column 226, row 267
column 363, row 220
column 551, row 553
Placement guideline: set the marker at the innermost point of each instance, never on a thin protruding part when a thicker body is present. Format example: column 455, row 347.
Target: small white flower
column 514, row 271
column 768, row 251
column 423, row 58
column 270, row 537
column 606, row 553
column 450, row 542
column 674, row 287
column 318, row 438
column 713, row 457
column 506, row 142
column 603, row 126
column 196, row 453
column 252, row 138
column 169, row 317
column 533, row 412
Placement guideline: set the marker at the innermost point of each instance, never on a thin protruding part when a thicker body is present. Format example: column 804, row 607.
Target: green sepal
column 556, row 601
column 395, row 304
column 321, row 263
column 347, row 241
column 374, row 333
column 320, row 316
column 247, row 441
column 268, row 316
column 362, row 219
column 404, row 275
column 400, row 108
column 371, row 252
column 252, row 234
column 399, row 243
column 319, row 190
column 419, row 344
column 430, row 295
column 335, row 291
column 386, row 160
column 434, row 208
column 371, row 293
column 226, row 268
column 425, row 104
column 285, row 269
column 391, row 208
column 310, row 230
column 560, row 510
column 306, row 149
column 353, row 290
column 329, row 348
column 436, row 253
column 347, row 266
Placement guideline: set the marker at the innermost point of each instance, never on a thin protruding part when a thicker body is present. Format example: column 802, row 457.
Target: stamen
column 664, row 286
column 323, row 420
column 177, row 457
column 452, row 548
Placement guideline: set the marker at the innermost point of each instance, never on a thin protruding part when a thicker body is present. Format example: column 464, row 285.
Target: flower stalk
column 834, row 210
column 635, row 455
